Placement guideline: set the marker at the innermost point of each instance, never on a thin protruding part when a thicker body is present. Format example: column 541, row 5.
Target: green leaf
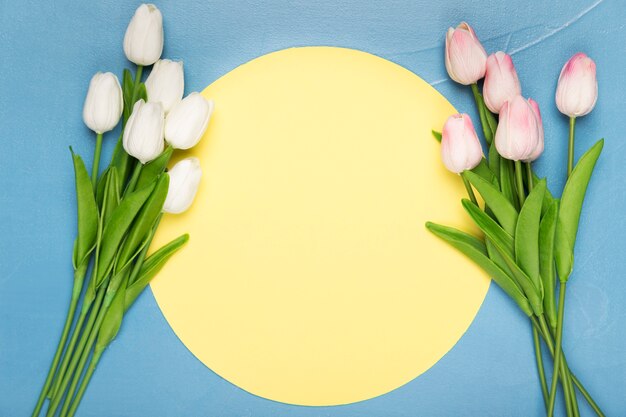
column 500, row 206
column 151, row 267
column 506, row 182
column 154, row 168
column 127, row 90
column 142, row 225
column 142, row 93
column 547, row 231
column 476, row 251
column 87, row 211
column 116, row 228
column 570, row 209
column 113, row 316
column 111, row 194
column 503, row 242
column 122, row 163
column 527, row 234
column 494, row 160
column 436, row 135
column 483, row 171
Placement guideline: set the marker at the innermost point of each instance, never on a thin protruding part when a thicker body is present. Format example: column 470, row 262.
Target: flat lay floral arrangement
column 528, row 234
column 119, row 211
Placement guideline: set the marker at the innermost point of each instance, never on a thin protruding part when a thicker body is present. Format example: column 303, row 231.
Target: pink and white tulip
column 501, row 81
column 517, row 136
column 577, row 90
column 466, row 58
column 460, row 147
column 536, row 153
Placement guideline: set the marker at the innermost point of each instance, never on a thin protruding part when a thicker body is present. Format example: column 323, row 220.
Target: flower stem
column 468, row 187
column 93, row 333
column 64, row 379
column 96, row 161
column 570, row 148
column 529, row 176
column 79, row 276
column 557, row 349
column 540, row 368
column 133, row 179
column 480, row 105
column 519, row 181
column 83, row 385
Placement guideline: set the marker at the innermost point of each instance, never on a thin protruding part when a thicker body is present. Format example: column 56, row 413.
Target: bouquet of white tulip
column 120, row 210
column 528, row 234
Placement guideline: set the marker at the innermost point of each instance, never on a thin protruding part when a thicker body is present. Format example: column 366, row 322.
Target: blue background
column 50, row 49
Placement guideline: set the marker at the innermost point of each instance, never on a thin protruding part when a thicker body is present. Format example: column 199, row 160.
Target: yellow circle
column 309, row 277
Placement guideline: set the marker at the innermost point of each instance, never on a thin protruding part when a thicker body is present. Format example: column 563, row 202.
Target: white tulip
column 166, row 83
column 187, row 121
column 184, row 180
column 104, row 103
column 143, row 134
column 143, row 42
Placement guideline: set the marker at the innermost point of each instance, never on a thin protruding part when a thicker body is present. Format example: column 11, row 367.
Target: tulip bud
column 466, row 58
column 536, row 153
column 518, row 134
column 104, row 103
column 460, row 147
column 166, row 83
column 501, row 82
column 143, row 42
column 143, row 134
column 577, row 90
column 184, row 181
column 188, row 121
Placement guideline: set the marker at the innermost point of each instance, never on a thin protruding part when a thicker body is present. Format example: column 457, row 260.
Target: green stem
column 63, row 380
column 519, row 181
column 540, row 368
column 570, row 148
column 68, row 353
column 137, row 81
column 133, row 179
column 96, row 161
column 480, row 105
column 468, row 187
column 557, row 349
column 87, row 349
column 545, row 333
column 83, row 385
column 529, row 176
column 79, row 276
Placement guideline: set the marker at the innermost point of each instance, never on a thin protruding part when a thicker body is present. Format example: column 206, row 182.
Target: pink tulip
column 540, row 143
column 517, row 136
column 501, row 82
column 577, row 90
column 465, row 57
column 460, row 147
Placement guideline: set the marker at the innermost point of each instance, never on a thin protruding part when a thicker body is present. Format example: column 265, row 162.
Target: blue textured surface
column 50, row 49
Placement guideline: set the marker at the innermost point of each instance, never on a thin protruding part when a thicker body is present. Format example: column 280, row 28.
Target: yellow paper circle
column 309, row 277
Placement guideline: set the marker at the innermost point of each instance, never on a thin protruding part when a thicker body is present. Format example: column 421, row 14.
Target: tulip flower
column 577, row 90
column 501, row 82
column 166, row 83
column 466, row 58
column 143, row 42
column 184, row 180
column 517, row 135
column 104, row 103
column 460, row 147
column 536, row 153
column 143, row 134
column 187, row 121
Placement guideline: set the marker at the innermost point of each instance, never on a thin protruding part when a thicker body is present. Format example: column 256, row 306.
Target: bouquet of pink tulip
column 528, row 234
column 120, row 210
